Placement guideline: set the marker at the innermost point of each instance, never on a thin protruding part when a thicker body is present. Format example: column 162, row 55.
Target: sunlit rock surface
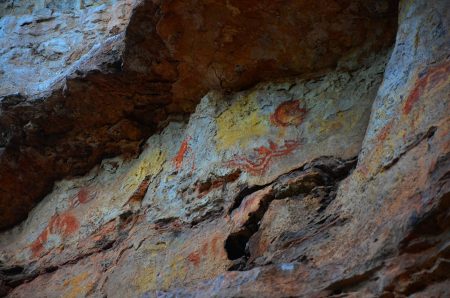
column 332, row 182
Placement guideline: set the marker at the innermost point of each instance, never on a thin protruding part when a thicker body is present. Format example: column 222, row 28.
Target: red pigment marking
column 204, row 249
column 63, row 225
column 288, row 113
column 178, row 159
column 384, row 132
column 194, row 258
column 214, row 244
column 183, row 152
column 434, row 76
column 259, row 162
column 83, row 197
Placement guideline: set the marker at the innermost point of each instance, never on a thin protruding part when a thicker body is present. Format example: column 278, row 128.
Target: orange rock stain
column 288, row 113
column 63, row 225
column 182, row 153
column 434, row 77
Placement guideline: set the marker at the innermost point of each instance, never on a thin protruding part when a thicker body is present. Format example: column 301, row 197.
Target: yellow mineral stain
column 240, row 124
column 162, row 275
column 154, row 249
column 146, row 279
column 148, row 164
column 342, row 121
column 177, row 272
column 77, row 286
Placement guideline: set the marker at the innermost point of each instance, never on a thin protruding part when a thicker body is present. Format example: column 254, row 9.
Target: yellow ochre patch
column 148, row 164
column 78, row 286
column 240, row 124
column 160, row 273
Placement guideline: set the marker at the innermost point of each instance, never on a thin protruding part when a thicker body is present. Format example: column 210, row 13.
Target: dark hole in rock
column 235, row 245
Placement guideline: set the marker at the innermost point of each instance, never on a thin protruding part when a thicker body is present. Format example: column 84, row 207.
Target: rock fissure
column 324, row 173
column 417, row 139
column 188, row 148
column 141, row 63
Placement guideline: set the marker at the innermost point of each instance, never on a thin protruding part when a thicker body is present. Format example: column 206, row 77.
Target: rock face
column 76, row 88
column 331, row 178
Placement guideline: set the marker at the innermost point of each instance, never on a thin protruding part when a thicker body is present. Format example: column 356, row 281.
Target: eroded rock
column 94, row 81
column 192, row 180
column 334, row 184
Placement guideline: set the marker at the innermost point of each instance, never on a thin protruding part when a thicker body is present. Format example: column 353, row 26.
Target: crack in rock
column 324, row 173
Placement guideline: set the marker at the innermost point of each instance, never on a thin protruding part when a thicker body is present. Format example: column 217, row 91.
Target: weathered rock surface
column 334, row 183
column 190, row 183
column 76, row 88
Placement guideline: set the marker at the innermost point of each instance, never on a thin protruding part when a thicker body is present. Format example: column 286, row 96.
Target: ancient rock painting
column 384, row 132
column 258, row 162
column 84, row 196
column 61, row 226
column 185, row 152
column 194, row 258
column 288, row 113
column 433, row 78
column 212, row 246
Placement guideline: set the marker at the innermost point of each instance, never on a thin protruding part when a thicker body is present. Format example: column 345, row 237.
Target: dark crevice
column 235, row 244
column 322, row 175
column 12, row 276
column 51, row 269
column 417, row 140
column 348, row 284
column 202, row 188
column 208, row 216
column 105, row 244
column 14, row 270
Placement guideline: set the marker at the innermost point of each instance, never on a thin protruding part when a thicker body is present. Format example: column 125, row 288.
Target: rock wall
column 81, row 85
column 334, row 182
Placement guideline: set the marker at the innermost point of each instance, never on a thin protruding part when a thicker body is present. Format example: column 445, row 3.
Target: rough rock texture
column 194, row 183
column 335, row 183
column 76, row 88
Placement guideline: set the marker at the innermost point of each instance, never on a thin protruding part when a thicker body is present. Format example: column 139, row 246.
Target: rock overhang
column 118, row 70
column 260, row 192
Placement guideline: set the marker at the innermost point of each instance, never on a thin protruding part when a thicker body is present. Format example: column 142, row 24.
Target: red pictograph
column 431, row 79
column 288, row 113
column 61, row 225
column 258, row 162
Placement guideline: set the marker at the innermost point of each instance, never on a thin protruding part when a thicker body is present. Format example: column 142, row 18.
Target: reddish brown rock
column 332, row 184
column 175, row 51
column 288, row 113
